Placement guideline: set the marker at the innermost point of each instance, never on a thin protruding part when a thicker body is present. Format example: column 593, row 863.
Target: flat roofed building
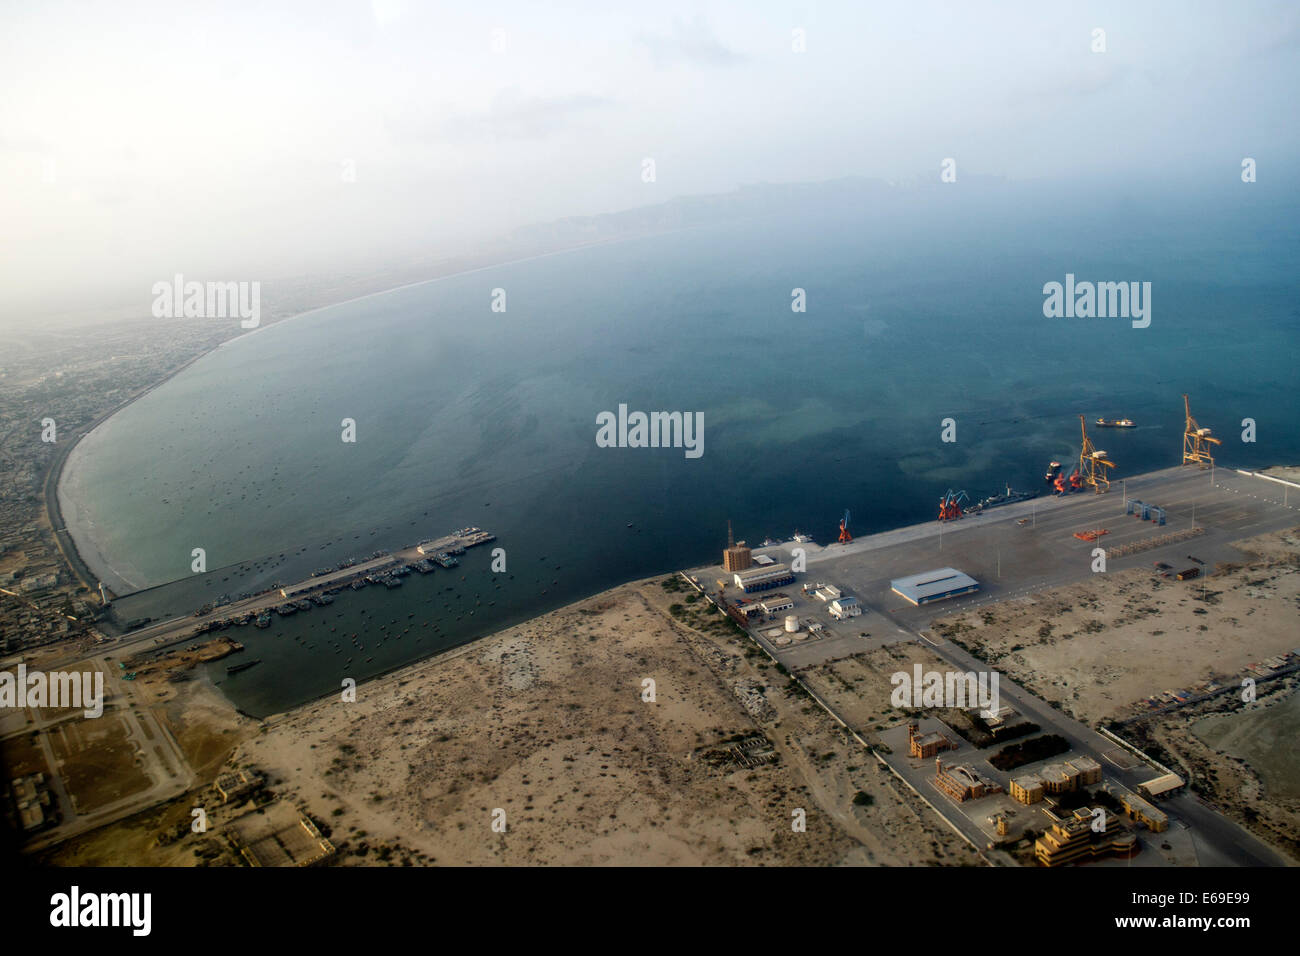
column 1027, row 789
column 1141, row 811
column 1089, row 770
column 777, row 603
column 994, row 717
column 1075, row 838
column 1165, row 786
column 828, row 592
column 844, row 607
column 1059, row 778
column 231, row 786
column 737, row 558
column 935, row 585
column 926, row 746
column 762, row 579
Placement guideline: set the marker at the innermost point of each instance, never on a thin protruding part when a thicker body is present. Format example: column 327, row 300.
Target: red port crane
column 845, row 537
column 950, row 505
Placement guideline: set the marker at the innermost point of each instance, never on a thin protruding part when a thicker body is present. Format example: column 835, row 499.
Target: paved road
column 1012, row 560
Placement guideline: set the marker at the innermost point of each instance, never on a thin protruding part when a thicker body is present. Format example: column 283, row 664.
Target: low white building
column 828, row 592
column 845, row 607
column 777, row 603
column 995, row 717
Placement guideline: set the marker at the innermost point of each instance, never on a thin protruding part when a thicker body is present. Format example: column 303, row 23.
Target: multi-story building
column 1084, row 835
column 926, row 746
column 737, row 558
column 1027, row 789
column 1059, row 778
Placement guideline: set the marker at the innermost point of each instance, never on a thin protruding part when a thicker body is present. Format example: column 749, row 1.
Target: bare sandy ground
column 1101, row 646
column 1240, row 756
column 546, row 722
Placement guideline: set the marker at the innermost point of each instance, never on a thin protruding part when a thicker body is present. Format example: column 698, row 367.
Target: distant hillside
column 756, row 200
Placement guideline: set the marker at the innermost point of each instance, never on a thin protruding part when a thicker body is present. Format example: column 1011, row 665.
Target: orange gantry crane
column 950, row 505
column 845, row 537
column 1196, row 440
column 1093, row 464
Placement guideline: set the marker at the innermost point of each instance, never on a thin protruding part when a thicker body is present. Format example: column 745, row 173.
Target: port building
column 763, row 579
column 845, row 607
column 777, row 603
column 737, row 558
column 937, row 585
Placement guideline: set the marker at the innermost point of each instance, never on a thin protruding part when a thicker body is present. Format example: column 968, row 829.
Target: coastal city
column 657, row 438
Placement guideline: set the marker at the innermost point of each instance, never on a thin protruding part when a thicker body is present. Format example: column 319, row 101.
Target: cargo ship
column 1005, row 497
column 1117, row 423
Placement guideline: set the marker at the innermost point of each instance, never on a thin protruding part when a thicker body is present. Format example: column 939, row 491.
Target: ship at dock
column 1004, row 497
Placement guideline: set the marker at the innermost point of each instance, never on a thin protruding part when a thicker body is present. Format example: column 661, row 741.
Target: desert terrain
column 1097, row 648
column 547, row 722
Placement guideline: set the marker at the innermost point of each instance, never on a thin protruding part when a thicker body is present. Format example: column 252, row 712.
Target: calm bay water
column 919, row 309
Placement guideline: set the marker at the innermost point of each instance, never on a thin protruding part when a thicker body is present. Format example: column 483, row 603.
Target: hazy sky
column 142, row 139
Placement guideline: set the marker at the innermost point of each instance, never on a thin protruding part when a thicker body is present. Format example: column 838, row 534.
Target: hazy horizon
column 251, row 143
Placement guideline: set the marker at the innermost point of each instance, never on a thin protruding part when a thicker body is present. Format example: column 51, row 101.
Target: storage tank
column 791, row 623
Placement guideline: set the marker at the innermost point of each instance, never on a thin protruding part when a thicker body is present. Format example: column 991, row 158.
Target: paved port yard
column 1010, row 559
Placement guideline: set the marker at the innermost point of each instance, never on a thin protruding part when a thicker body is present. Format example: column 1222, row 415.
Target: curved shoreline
column 68, row 549
column 50, row 489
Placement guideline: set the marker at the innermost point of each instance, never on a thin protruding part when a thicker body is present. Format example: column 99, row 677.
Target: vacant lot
column 22, row 755
column 1123, row 636
column 97, row 762
column 547, row 730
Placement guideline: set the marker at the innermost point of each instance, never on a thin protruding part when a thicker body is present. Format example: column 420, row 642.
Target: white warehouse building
column 845, row 607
